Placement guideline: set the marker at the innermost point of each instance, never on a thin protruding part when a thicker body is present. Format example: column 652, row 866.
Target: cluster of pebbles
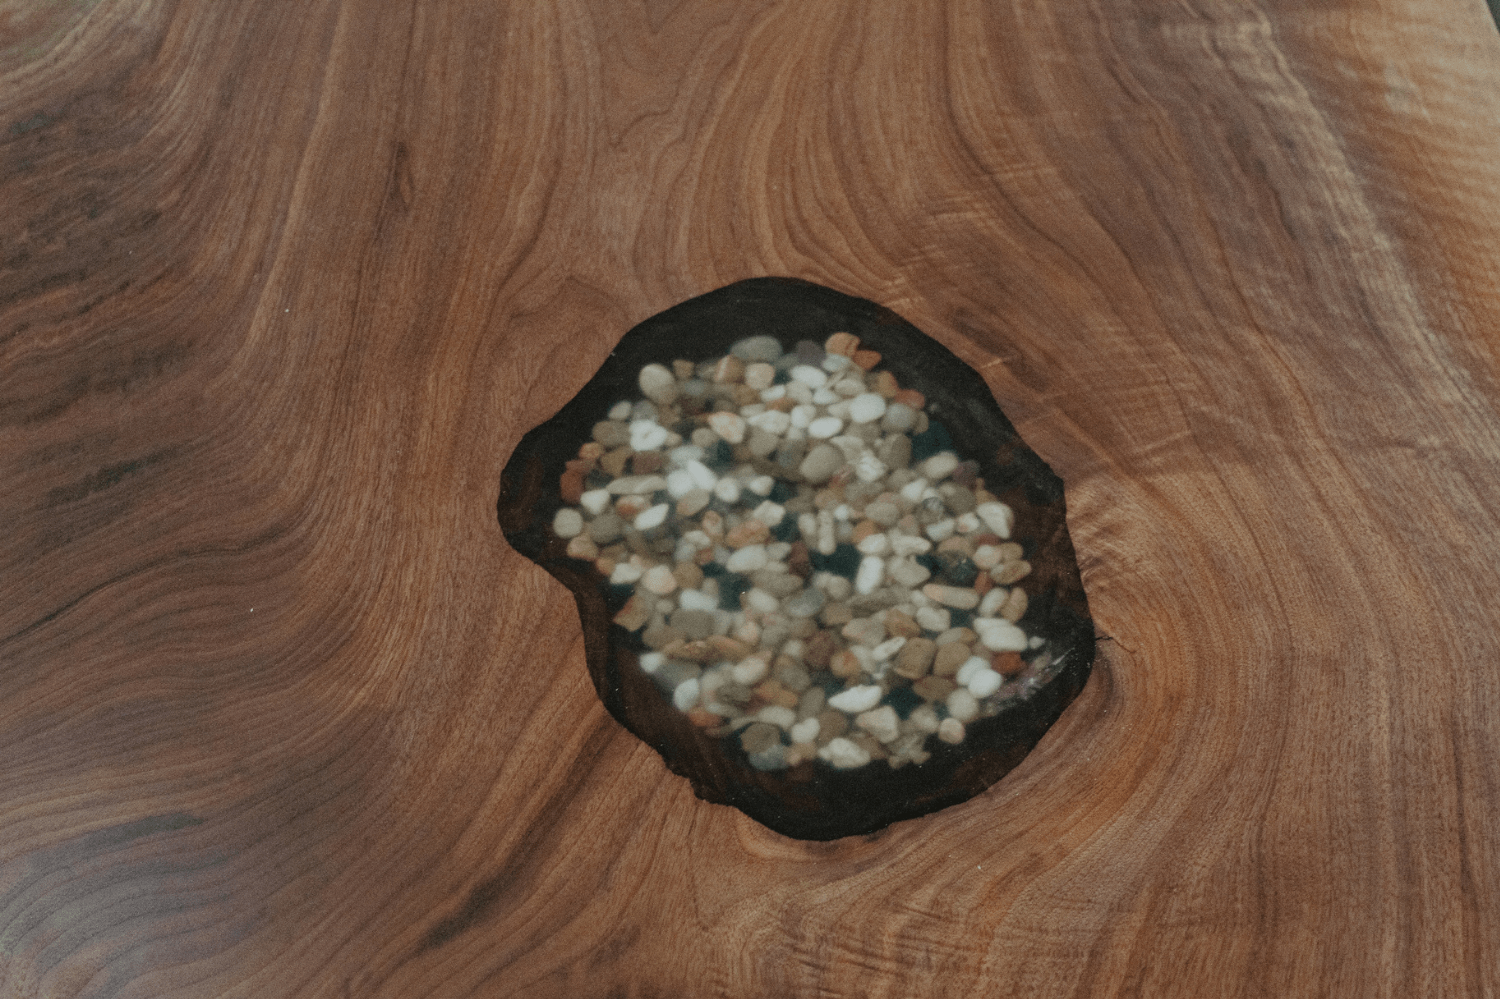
column 812, row 568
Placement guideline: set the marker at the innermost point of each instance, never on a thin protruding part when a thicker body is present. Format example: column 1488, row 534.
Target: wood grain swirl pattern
column 281, row 714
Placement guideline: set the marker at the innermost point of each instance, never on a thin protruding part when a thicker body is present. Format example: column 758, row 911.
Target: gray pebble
column 779, row 584
column 694, row 624
column 895, row 451
column 795, row 679
column 673, row 671
column 868, row 603
column 759, row 737
column 899, row 416
column 960, row 500
column 821, row 463
column 606, row 528
column 757, row 348
column 762, row 443
column 812, row 703
column 884, row 514
column 772, row 757
column 612, row 433
column 809, row 352
column 805, row 604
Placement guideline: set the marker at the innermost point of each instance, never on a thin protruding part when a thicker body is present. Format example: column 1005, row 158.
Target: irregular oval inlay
column 816, row 566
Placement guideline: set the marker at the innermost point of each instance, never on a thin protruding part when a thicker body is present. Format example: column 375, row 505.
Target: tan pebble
column 1008, row 664
column 730, row 426
column 844, row 665
column 862, row 530
column 866, row 359
column 661, row 636
column 960, row 597
column 712, row 524
column 635, row 613
column 683, row 370
column 949, row 658
column 957, row 543
column 831, row 725
column 751, row 532
column 804, row 628
column 900, row 623
column 570, row 486
column 783, row 405
column 1011, row 572
column 744, row 395
column 933, row 688
column 591, row 451
column 582, row 547
column 759, row 375
column 604, row 564
column 912, row 398
column 730, row 649
column 729, row 371
column 772, row 692
column 915, row 657
column 837, row 615
column 692, row 502
column 885, row 383
column 629, row 506
column 703, row 719
column 1014, row 607
column 843, row 344
column 869, row 744
column 748, row 632
column 965, row 635
column 983, row 583
column 951, row 731
column 613, row 463
column 800, row 752
column 647, row 462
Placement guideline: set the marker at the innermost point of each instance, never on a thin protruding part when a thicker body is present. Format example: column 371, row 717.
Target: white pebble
column 781, row 717
column 759, row 600
column 659, row 580
column 843, row 754
column 772, row 421
column 651, row 661
column 685, row 697
column 747, row 559
column 999, row 634
column 984, row 683
column 806, row 730
column 728, row 490
column 951, row 731
column 914, row 490
column 637, row 485
column 810, row 376
column 730, row 426
column 703, row 476
column 773, row 393
column 679, row 484
column 869, row 468
column 680, row 456
column 990, row 605
column 825, row 396
column 986, row 557
column 626, row 572
column 595, row 501
column 940, row 530
column 899, row 416
column 997, row 517
column 769, row 513
column 933, row 618
column 962, row 705
column 970, row 668
column 923, row 718
column 647, row 435
column 853, row 700
column 875, row 544
column 652, row 517
column 568, row 523
column 939, row 466
column 834, row 362
column 761, row 485
column 824, row 427
column 750, row 670
column 882, row 723
column 759, row 375
column 906, row 544
column 871, row 572
column 807, row 523
column 620, row 411
column 866, row 407
column 697, row 600
column 801, row 416
column 886, row 649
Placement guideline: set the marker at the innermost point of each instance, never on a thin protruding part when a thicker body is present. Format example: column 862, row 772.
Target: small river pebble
column 816, row 570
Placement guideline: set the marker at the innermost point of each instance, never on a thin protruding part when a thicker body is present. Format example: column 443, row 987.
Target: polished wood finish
column 281, row 286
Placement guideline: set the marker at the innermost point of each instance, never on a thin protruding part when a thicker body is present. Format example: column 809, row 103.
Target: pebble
column 1011, row 572
column 805, row 730
column 939, row 466
column 760, row 375
column 933, row 618
column 760, row 736
column 658, row 384
column 750, row 670
column 810, row 376
column 960, row 598
column 844, row 754
column 647, row 435
column 1000, row 635
column 776, row 714
column 804, row 604
column 881, row 722
column 916, row 657
column 820, row 464
column 659, row 580
column 853, row 700
column 757, row 348
column 730, row 426
column 637, row 485
column 685, row 697
column 969, row 668
column 692, row 502
column 824, row 427
column 962, row 705
column 867, row 407
column 949, row 658
column 747, row 559
column 567, row 523
column 899, row 416
column 951, row 731
column 997, row 517
column 984, row 683
column 652, row 517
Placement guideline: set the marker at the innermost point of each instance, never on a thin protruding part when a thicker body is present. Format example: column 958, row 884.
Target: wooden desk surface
column 282, row 285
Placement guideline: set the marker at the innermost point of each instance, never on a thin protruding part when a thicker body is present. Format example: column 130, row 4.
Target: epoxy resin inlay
column 817, row 568
column 813, row 568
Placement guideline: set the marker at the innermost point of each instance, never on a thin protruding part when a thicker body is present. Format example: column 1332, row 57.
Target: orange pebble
column 866, row 359
column 912, row 398
column 1008, row 663
column 844, row 344
column 570, row 486
column 983, row 583
column 591, row 451
column 863, row 530
column 703, row 719
column 886, row 385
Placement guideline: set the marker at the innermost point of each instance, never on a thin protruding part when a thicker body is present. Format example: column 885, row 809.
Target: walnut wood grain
column 281, row 287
